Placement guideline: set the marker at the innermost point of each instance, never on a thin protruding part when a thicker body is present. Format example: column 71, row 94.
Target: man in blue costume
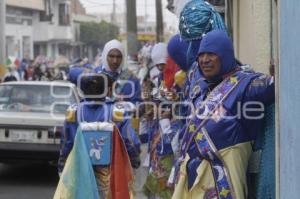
column 95, row 108
column 217, row 143
column 197, row 18
column 128, row 87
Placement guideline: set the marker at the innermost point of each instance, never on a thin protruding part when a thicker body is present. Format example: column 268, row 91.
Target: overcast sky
column 106, row 6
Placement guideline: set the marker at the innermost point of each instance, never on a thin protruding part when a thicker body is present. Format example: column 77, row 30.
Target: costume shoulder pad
column 118, row 112
column 71, row 113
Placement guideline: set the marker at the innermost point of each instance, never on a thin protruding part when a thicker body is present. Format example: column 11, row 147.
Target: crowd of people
column 41, row 68
column 183, row 120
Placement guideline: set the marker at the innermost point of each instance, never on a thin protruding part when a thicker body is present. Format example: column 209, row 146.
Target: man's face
column 160, row 66
column 114, row 59
column 210, row 65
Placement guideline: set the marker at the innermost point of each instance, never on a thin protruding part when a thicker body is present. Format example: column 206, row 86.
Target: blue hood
column 182, row 52
column 74, row 74
column 218, row 42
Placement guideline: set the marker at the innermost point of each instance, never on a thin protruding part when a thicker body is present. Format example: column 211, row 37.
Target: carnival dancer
column 161, row 129
column 113, row 58
column 114, row 178
column 217, row 143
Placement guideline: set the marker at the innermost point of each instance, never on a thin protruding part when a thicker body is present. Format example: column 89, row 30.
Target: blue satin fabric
column 183, row 53
column 235, row 128
column 133, row 89
column 92, row 113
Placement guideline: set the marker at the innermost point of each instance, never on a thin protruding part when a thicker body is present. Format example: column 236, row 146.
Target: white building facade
column 20, row 26
column 53, row 33
column 41, row 27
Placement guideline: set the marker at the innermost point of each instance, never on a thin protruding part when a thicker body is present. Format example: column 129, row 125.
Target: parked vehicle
column 31, row 118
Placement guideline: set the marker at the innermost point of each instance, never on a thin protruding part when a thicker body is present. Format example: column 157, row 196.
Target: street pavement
column 39, row 181
column 27, row 181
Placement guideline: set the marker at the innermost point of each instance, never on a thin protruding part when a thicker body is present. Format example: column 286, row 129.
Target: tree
column 97, row 34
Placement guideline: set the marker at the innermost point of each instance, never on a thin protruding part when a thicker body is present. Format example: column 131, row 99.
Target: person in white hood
column 113, row 57
column 159, row 57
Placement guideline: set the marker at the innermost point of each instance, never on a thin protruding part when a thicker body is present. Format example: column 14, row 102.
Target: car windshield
column 35, row 98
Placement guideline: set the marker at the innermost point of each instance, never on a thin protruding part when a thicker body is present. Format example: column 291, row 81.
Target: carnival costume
column 119, row 149
column 217, row 143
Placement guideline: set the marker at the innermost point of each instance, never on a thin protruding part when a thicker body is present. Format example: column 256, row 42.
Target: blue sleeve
column 66, row 143
column 259, row 94
column 131, row 140
column 134, row 89
column 261, row 89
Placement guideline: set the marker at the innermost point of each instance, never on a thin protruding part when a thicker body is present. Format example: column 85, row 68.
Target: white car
column 32, row 117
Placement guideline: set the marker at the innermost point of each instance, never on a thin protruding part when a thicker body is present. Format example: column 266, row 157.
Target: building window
column 44, row 16
column 64, row 14
column 62, row 49
column 40, row 49
column 19, row 16
column 47, row 14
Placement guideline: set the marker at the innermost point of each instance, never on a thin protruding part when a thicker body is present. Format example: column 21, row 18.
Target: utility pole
column 132, row 44
column 159, row 21
column 113, row 16
column 2, row 31
column 146, row 15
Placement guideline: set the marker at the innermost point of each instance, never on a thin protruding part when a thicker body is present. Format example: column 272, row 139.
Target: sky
column 106, row 6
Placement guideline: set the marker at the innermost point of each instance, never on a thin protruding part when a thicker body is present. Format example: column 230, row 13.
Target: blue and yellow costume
column 125, row 144
column 217, row 143
column 92, row 113
column 127, row 86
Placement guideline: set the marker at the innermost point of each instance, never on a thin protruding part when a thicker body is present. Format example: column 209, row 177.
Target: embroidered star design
column 224, row 192
column 233, row 80
column 192, row 128
column 199, row 136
